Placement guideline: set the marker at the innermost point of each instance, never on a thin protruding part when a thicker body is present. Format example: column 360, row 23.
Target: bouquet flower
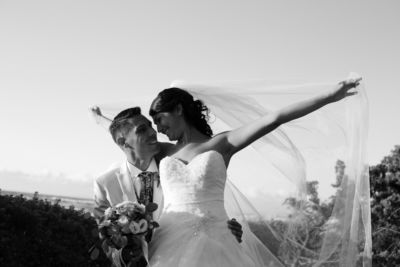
column 127, row 227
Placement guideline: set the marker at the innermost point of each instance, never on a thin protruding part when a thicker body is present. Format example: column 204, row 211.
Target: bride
column 194, row 177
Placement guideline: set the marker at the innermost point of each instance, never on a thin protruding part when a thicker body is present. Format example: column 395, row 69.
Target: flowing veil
column 303, row 189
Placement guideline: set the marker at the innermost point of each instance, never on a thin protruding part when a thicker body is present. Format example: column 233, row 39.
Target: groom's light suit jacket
column 118, row 185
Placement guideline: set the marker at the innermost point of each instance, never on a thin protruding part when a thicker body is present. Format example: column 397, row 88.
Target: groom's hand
column 236, row 229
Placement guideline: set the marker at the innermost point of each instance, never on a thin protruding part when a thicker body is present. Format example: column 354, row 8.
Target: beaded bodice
column 196, row 187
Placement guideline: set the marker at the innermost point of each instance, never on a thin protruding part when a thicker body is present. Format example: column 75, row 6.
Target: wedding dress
column 194, row 228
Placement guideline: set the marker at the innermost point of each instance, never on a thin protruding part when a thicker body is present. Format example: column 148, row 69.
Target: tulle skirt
column 185, row 239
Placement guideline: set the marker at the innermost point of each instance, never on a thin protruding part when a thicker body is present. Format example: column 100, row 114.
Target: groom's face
column 142, row 138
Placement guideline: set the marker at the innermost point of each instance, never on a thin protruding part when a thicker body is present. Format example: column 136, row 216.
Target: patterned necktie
column 146, row 186
column 146, row 192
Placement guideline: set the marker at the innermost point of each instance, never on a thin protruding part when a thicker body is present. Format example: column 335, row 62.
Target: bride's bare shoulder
column 219, row 138
column 219, row 142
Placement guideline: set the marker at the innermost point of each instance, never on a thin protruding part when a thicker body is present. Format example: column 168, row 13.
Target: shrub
column 38, row 233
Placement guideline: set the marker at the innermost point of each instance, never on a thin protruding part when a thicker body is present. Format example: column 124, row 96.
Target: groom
column 137, row 178
column 133, row 133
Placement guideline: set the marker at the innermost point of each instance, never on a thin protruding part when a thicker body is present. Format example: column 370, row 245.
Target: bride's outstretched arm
column 239, row 138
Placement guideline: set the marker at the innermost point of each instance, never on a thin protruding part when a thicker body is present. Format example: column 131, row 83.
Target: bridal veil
column 302, row 189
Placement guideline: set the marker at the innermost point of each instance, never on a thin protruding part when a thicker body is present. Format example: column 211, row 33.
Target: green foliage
column 385, row 214
column 306, row 235
column 385, row 210
column 39, row 233
column 303, row 240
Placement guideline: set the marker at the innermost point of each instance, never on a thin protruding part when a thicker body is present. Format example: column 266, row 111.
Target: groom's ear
column 121, row 141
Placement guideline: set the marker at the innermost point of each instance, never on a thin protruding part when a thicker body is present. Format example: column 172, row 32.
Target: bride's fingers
column 352, row 87
column 351, row 82
column 95, row 109
column 351, row 93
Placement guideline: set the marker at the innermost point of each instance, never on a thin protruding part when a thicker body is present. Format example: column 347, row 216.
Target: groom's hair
column 121, row 122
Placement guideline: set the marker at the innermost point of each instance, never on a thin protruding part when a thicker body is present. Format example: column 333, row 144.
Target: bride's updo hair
column 194, row 111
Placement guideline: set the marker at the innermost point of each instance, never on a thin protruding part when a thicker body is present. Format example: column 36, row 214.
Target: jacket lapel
column 128, row 190
column 126, row 184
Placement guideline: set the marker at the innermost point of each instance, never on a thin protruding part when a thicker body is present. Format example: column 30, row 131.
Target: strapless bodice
column 197, row 186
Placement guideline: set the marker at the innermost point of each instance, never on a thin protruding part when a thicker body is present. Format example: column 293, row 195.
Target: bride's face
column 170, row 123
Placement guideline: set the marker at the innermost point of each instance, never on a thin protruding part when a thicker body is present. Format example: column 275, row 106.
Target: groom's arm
column 100, row 205
column 166, row 149
column 100, row 201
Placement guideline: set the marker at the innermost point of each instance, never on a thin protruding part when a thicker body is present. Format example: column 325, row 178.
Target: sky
column 58, row 58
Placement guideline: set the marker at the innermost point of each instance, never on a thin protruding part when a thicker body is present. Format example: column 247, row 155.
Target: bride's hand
column 96, row 110
column 344, row 89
